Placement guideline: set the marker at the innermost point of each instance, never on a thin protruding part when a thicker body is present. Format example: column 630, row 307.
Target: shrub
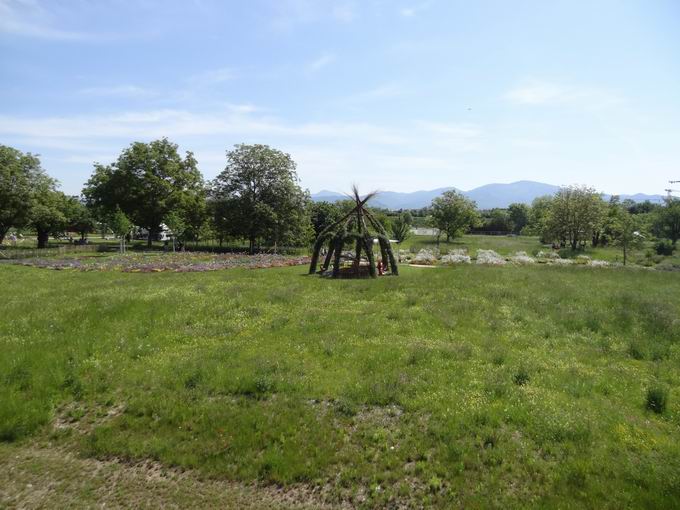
column 636, row 350
column 664, row 247
column 425, row 257
column 599, row 263
column 522, row 258
column 489, row 257
column 657, row 398
column 454, row 258
column 521, row 377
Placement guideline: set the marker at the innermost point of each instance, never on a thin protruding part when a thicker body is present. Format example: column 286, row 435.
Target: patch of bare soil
column 35, row 477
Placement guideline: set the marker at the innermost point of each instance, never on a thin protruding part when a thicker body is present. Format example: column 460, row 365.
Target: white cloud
column 546, row 93
column 27, row 18
column 328, row 154
column 321, row 62
column 385, row 91
column 344, row 12
column 212, row 77
column 412, row 10
column 537, row 93
column 118, row 91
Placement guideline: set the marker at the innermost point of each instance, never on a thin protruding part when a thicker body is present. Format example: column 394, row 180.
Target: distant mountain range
column 488, row 196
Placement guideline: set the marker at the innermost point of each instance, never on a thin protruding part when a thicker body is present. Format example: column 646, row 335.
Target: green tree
column 497, row 220
column 121, row 225
column 260, row 197
column 323, row 214
column 667, row 220
column 48, row 207
column 401, row 229
column 626, row 231
column 147, row 182
column 78, row 217
column 519, row 216
column 453, row 214
column 575, row 213
column 178, row 226
column 538, row 218
column 20, row 177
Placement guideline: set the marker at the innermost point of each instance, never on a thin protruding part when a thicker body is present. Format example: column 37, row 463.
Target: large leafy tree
column 259, row 197
column 20, row 176
column 48, row 210
column 519, row 216
column 324, row 214
column 497, row 220
column 625, row 230
column 575, row 213
column 147, row 182
column 538, row 218
column 667, row 220
column 453, row 214
column 78, row 217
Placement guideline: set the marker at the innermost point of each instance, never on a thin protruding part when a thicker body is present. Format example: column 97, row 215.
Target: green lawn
column 447, row 387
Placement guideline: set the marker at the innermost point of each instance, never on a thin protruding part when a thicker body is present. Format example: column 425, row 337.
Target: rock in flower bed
column 177, row 262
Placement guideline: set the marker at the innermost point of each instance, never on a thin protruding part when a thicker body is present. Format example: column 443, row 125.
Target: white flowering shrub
column 599, row 263
column 405, row 256
column 425, row 257
column 562, row 262
column 547, row 255
column 522, row 258
column 456, row 258
column 489, row 257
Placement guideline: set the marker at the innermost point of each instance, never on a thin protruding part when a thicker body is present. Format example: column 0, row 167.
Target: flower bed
column 176, row 262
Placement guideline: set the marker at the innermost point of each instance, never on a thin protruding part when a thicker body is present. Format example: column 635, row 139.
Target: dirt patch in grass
column 36, row 477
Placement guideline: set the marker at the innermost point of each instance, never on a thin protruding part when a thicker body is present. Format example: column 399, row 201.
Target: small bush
column 657, row 398
column 521, row 377
column 664, row 247
column 636, row 350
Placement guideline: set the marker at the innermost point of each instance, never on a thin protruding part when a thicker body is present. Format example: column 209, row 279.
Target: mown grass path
column 466, row 386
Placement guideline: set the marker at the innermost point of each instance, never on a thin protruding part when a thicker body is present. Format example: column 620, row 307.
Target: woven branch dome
column 358, row 228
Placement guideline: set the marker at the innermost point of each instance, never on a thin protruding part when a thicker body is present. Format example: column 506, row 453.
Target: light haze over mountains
column 488, row 196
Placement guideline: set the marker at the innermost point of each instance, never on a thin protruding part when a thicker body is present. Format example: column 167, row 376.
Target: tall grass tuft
column 657, row 399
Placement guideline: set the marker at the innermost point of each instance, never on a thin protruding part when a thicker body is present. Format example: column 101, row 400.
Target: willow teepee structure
column 358, row 228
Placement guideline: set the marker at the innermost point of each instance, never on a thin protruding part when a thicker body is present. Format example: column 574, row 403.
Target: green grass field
column 445, row 387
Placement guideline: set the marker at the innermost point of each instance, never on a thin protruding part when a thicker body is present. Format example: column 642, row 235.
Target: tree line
column 574, row 217
column 257, row 199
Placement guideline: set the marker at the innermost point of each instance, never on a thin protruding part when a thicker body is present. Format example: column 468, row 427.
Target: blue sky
column 388, row 94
